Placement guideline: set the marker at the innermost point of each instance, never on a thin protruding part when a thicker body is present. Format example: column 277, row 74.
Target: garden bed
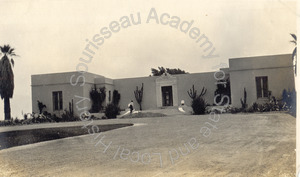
column 143, row 114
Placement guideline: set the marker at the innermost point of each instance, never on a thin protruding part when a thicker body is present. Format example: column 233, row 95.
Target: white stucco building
column 261, row 76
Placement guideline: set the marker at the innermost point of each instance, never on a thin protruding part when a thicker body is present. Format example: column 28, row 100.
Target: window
column 57, row 100
column 262, row 87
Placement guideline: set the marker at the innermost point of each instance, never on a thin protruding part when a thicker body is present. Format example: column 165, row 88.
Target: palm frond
column 294, row 36
column 294, row 53
column 293, row 41
column 7, row 50
column 11, row 52
column 2, row 49
column 12, row 62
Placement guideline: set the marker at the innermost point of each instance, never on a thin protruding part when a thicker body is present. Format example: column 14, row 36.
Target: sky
column 51, row 36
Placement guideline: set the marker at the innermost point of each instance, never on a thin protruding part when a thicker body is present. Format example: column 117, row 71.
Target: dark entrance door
column 167, row 96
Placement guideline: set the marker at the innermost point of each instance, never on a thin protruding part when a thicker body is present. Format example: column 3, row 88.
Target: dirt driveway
column 235, row 145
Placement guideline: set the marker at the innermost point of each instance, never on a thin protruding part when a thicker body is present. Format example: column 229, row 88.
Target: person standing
column 130, row 106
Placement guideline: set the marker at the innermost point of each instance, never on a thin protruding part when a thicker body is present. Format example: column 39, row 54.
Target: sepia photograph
column 115, row 88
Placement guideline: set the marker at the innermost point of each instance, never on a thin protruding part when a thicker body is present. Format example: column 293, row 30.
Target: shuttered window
column 57, row 100
column 262, row 87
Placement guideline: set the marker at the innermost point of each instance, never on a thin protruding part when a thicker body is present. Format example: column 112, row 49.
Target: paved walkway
column 236, row 145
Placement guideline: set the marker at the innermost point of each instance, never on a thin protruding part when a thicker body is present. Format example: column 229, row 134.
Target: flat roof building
column 261, row 76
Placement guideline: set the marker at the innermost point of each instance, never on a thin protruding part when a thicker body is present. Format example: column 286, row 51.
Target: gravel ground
column 236, row 145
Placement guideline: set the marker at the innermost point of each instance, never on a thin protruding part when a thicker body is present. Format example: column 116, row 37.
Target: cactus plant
column 198, row 103
column 203, row 92
column 192, row 93
column 139, row 95
column 244, row 101
column 71, row 108
column 41, row 106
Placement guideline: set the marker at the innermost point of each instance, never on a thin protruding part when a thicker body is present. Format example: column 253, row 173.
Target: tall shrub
column 111, row 111
column 97, row 96
column 116, row 97
column 199, row 105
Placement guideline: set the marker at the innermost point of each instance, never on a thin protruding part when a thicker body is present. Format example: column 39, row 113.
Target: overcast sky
column 50, row 36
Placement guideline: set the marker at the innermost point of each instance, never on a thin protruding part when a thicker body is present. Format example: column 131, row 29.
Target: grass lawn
column 22, row 137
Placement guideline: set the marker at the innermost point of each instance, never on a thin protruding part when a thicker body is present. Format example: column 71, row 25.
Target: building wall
column 243, row 71
column 109, row 88
column 199, row 80
column 43, row 93
column 126, row 88
column 43, row 86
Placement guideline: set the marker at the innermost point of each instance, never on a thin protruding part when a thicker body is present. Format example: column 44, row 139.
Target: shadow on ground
column 23, row 137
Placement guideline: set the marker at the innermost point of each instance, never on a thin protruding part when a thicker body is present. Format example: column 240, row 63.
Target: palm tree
column 6, row 78
column 294, row 55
